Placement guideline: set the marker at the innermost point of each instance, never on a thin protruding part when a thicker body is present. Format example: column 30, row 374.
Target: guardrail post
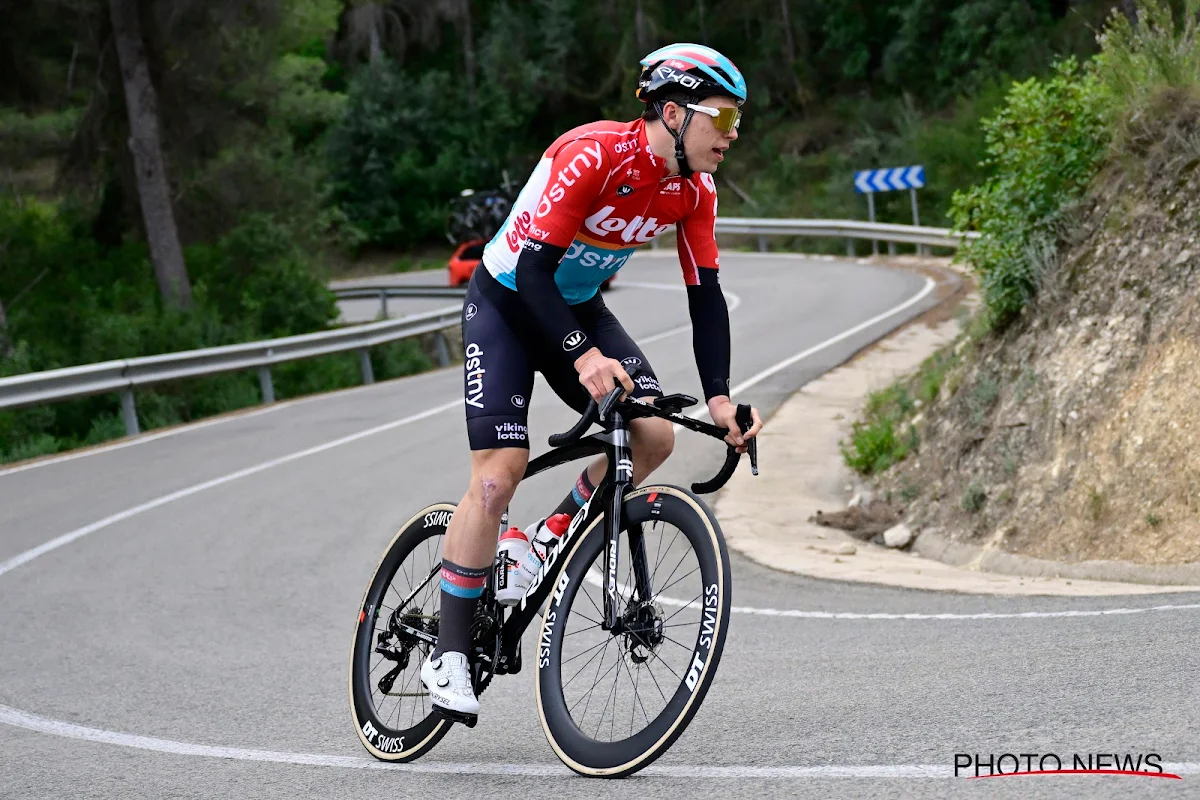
column 762, row 244
column 850, row 247
column 440, row 349
column 383, row 309
column 364, row 361
column 891, row 248
column 265, row 384
column 129, row 412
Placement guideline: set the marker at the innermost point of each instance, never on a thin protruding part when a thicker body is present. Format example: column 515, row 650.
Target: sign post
column 870, row 181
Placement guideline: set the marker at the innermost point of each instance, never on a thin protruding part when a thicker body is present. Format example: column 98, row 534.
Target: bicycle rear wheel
column 397, row 627
column 611, row 702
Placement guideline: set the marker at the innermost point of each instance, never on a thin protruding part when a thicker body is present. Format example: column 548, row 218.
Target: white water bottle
column 543, row 536
column 510, row 554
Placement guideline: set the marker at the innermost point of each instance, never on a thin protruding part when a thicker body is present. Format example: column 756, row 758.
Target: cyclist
column 599, row 192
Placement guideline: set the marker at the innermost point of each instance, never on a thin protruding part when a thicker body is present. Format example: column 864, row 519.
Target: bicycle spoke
column 594, row 680
column 595, row 683
column 683, row 607
column 672, row 641
column 681, row 558
column 581, row 630
column 593, row 647
column 611, row 694
column 589, row 619
column 656, row 685
column 677, row 580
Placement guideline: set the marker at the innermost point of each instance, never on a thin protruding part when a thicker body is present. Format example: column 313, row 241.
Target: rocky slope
column 1073, row 435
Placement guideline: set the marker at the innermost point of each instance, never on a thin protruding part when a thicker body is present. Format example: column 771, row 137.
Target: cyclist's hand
column 597, row 371
column 724, row 415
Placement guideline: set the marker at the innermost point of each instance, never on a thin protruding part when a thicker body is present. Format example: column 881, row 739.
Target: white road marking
column 67, row 538
column 149, row 437
column 32, row 722
column 594, row 578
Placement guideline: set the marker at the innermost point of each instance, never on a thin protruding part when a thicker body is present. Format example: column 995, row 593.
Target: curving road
column 176, row 613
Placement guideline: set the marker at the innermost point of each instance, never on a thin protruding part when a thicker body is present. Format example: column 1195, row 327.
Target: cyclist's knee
column 652, row 440
column 495, row 475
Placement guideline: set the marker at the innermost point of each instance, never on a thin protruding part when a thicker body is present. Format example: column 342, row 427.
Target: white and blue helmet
column 690, row 69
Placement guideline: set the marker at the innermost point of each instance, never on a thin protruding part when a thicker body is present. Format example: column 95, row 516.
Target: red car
column 466, row 259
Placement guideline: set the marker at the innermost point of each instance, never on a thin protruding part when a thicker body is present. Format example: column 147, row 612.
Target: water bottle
column 540, row 538
column 510, row 554
column 544, row 535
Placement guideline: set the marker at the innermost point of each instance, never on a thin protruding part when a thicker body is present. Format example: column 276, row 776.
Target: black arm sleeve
column 710, row 334
column 535, row 286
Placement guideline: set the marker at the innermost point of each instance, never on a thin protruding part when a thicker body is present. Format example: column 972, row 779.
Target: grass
column 974, row 496
column 881, row 438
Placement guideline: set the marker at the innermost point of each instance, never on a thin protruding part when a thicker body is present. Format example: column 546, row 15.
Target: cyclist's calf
column 471, row 535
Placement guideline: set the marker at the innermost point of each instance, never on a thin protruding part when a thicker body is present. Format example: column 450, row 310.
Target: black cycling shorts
column 502, row 349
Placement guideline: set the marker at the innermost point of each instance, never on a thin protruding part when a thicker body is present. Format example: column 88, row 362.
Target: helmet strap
column 685, row 171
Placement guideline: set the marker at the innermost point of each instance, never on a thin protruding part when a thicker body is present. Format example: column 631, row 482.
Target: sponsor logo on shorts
column 518, row 401
column 512, row 430
column 475, row 372
column 471, row 311
column 648, row 383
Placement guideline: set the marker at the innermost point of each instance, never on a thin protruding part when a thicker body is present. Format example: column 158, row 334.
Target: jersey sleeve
column 706, row 303
column 696, row 232
column 579, row 172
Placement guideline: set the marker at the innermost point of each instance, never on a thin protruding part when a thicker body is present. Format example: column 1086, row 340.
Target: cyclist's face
column 704, row 144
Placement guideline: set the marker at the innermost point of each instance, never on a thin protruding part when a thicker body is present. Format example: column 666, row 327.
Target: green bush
column 875, row 446
column 1044, row 146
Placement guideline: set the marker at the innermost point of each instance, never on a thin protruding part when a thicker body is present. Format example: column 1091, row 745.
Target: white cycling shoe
column 448, row 681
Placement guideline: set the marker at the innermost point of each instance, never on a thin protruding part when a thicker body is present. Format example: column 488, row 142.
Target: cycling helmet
column 689, row 70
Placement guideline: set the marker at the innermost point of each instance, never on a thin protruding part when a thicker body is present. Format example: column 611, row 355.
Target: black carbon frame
column 609, row 496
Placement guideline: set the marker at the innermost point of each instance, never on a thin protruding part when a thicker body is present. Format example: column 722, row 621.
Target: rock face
column 1074, row 434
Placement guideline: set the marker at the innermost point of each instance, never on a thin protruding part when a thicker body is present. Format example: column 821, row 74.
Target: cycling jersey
column 601, row 193
column 597, row 194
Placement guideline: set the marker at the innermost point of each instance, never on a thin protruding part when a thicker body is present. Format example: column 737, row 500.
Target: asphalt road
column 176, row 614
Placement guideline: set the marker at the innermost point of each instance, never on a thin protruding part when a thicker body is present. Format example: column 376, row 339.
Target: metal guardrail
column 382, row 293
column 125, row 375
column 847, row 229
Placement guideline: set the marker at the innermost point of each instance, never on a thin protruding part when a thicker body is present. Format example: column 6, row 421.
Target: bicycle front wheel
column 611, row 702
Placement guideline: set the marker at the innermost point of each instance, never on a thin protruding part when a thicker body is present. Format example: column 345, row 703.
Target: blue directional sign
column 886, row 180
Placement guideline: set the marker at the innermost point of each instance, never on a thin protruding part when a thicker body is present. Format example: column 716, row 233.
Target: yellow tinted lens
column 727, row 119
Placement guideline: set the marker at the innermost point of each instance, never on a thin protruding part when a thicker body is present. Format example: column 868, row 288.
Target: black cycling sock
column 578, row 496
column 461, row 589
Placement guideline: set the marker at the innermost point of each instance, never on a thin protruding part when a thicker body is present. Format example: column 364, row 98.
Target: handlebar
column 667, row 408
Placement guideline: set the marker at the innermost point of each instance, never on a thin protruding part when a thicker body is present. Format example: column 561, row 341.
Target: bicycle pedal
column 456, row 716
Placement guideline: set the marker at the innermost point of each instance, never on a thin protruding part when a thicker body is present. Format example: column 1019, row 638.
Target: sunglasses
column 724, row 119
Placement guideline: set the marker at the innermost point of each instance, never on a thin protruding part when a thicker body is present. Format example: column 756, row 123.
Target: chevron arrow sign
column 886, row 180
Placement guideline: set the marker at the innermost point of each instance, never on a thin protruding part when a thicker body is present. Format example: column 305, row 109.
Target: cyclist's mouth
column 720, row 153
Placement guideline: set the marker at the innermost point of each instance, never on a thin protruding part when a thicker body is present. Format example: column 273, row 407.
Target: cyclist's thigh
column 613, row 341
column 497, row 376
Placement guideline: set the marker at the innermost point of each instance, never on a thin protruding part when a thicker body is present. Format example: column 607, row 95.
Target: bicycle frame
column 610, row 495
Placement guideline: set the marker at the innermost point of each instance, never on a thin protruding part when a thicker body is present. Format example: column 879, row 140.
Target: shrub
column 1044, row 146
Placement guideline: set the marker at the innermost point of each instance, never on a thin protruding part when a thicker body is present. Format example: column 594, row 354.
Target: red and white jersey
column 601, row 193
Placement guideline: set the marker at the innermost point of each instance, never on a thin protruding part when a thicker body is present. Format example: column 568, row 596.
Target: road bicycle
column 641, row 575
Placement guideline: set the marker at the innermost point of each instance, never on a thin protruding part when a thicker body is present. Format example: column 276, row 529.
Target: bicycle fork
column 620, row 479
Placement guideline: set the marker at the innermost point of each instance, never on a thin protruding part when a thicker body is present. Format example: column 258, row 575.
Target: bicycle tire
column 381, row 739
column 581, row 752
